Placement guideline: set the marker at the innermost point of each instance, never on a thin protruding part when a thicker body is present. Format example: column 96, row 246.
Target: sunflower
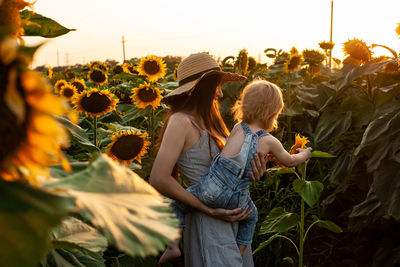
column 98, row 65
column 326, row 45
column 130, row 68
column 242, row 61
column 98, row 76
column 79, row 84
column 127, row 146
column 293, row 63
column 31, row 138
column 312, row 56
column 352, row 60
column 117, row 69
column 252, row 64
column 300, row 142
column 294, row 51
column 49, row 72
column 68, row 91
column 357, row 49
column 59, row 85
column 95, row 102
column 151, row 66
column 10, row 17
column 146, row 95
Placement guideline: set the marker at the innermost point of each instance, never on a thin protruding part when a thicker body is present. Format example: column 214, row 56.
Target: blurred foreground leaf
column 122, row 206
column 27, row 215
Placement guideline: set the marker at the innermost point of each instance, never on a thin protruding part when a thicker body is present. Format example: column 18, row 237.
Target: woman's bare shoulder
column 179, row 119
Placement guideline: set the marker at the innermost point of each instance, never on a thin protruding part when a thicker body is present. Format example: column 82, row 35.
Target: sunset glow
column 220, row 27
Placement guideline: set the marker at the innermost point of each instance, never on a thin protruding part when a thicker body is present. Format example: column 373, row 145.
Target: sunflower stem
column 95, row 131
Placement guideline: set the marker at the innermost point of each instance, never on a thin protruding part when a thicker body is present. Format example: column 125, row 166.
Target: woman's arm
column 279, row 152
column 177, row 131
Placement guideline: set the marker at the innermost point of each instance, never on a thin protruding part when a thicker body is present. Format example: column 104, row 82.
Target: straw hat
column 195, row 67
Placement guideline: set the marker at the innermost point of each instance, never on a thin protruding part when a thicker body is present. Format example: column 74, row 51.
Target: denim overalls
column 227, row 185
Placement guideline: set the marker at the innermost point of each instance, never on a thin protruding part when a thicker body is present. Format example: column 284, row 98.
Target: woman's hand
column 259, row 167
column 231, row 215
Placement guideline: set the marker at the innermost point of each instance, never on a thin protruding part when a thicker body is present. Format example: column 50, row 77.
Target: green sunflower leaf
column 130, row 213
column 77, row 232
column 265, row 243
column 308, row 190
column 41, row 26
column 27, row 215
column 320, row 154
column 279, row 221
column 331, row 226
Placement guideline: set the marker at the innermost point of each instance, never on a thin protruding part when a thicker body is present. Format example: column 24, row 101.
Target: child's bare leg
column 171, row 252
column 242, row 248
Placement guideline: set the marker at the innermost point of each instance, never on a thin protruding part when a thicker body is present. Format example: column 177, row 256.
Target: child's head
column 260, row 101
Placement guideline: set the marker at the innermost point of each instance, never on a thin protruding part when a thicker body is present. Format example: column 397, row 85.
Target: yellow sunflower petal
column 13, row 98
column 300, row 142
column 152, row 67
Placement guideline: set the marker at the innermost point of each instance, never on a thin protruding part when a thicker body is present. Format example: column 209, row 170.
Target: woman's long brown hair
column 202, row 100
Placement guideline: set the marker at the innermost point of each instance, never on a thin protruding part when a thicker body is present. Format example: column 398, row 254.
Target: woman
column 193, row 134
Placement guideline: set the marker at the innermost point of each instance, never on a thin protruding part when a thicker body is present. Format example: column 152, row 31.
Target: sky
column 221, row 27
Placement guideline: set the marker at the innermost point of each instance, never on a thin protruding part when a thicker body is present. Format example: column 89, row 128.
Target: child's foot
column 169, row 254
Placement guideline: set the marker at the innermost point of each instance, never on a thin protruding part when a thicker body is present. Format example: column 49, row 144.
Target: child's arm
column 279, row 152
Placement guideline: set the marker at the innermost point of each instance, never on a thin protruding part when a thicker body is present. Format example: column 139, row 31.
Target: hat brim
column 188, row 87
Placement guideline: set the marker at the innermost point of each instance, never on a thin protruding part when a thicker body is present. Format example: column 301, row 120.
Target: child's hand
column 305, row 150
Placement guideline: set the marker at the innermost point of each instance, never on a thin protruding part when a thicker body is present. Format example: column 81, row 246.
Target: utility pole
column 330, row 40
column 67, row 59
column 123, row 47
column 58, row 59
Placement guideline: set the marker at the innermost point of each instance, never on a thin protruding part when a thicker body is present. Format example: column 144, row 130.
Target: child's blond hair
column 260, row 101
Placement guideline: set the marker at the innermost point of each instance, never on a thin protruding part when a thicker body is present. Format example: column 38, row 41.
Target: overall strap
column 262, row 133
column 246, row 128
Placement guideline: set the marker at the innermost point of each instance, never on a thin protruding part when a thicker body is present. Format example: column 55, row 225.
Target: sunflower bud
column 357, row 49
column 242, row 61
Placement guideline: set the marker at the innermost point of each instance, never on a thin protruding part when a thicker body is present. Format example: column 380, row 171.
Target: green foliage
column 308, row 190
column 27, row 215
column 41, row 26
column 279, row 221
column 352, row 113
column 123, row 207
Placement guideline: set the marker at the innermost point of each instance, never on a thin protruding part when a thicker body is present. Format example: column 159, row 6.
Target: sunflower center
column 127, row 147
column 67, row 92
column 147, row 95
column 12, row 134
column 59, row 86
column 151, row 67
column 118, row 69
column 95, row 103
column 97, row 76
column 79, row 86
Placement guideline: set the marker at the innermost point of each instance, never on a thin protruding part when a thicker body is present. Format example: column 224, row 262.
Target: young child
column 227, row 183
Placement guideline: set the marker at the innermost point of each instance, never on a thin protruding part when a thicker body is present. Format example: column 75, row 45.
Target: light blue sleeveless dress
column 208, row 241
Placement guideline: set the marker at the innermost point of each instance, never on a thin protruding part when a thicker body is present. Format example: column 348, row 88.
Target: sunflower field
column 78, row 145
